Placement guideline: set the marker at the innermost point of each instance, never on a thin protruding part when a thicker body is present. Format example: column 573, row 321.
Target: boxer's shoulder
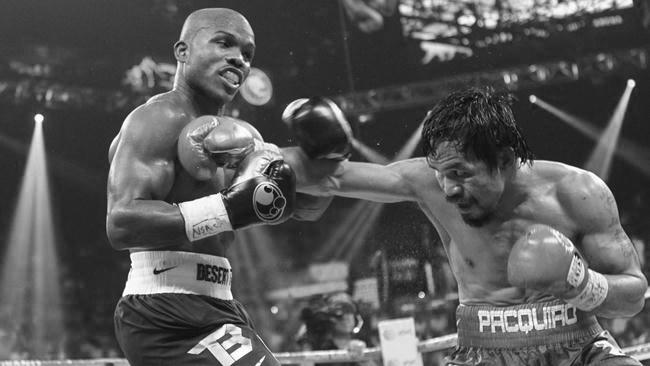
column 161, row 120
column 583, row 196
column 564, row 180
column 572, row 182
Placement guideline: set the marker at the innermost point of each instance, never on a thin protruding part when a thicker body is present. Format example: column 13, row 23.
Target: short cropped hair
column 479, row 122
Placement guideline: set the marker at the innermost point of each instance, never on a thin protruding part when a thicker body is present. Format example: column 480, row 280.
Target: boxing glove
column 210, row 142
column 263, row 194
column 262, row 199
column 320, row 128
column 547, row 261
column 255, row 164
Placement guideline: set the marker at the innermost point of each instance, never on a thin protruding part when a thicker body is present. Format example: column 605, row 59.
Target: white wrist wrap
column 576, row 272
column 205, row 216
column 593, row 294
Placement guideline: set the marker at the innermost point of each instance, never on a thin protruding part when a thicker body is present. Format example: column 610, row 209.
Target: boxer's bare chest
column 478, row 256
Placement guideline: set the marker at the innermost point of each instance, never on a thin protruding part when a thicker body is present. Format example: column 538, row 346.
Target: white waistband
column 157, row 272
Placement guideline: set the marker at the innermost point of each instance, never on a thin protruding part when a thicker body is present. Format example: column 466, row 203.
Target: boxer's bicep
column 606, row 247
column 369, row 181
column 133, row 177
column 140, row 177
column 604, row 243
column 143, row 166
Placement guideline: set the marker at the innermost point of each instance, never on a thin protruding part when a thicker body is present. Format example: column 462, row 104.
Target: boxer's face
column 467, row 183
column 220, row 57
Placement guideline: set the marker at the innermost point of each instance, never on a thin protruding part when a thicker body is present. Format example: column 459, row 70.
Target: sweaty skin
column 214, row 54
column 480, row 214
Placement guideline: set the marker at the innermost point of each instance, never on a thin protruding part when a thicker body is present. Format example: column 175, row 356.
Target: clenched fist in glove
column 263, row 192
column 547, row 261
column 320, row 128
column 210, row 142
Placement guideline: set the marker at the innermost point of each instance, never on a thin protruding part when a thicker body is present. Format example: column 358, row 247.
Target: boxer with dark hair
column 183, row 178
column 536, row 247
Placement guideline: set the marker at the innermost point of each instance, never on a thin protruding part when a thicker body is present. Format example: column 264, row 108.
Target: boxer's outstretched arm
column 605, row 245
column 381, row 183
column 140, row 177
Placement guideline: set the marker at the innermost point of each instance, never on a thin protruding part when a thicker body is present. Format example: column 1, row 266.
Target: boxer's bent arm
column 141, row 175
column 374, row 182
column 605, row 245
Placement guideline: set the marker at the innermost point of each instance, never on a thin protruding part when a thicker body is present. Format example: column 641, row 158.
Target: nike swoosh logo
column 157, row 271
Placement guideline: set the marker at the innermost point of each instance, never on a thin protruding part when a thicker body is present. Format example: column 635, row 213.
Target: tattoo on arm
column 621, row 239
column 608, row 200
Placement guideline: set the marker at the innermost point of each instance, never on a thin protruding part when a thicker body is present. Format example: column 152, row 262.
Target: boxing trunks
column 177, row 309
column 550, row 333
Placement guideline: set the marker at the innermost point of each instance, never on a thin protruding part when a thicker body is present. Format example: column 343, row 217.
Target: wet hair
column 479, row 122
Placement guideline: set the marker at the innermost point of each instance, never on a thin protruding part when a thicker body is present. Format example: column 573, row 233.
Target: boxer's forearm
column 145, row 224
column 625, row 296
column 310, row 173
column 368, row 181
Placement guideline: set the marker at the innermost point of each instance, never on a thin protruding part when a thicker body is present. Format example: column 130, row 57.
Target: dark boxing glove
column 319, row 127
column 263, row 192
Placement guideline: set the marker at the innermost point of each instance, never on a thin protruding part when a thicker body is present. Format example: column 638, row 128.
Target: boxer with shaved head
column 183, row 179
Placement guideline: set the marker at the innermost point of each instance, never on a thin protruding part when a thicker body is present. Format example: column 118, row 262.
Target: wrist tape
column 593, row 294
column 205, row 216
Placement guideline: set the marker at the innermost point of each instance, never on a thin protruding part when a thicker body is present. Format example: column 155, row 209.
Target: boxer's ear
column 505, row 158
column 181, row 51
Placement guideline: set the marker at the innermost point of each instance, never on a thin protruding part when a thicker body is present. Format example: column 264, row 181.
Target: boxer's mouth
column 463, row 205
column 464, row 208
column 232, row 75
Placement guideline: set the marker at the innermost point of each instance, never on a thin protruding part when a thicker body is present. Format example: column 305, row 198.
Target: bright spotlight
column 257, row 88
column 631, row 83
column 39, row 118
column 532, row 98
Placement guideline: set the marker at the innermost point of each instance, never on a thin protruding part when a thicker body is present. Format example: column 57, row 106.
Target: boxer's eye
column 458, row 174
column 222, row 41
